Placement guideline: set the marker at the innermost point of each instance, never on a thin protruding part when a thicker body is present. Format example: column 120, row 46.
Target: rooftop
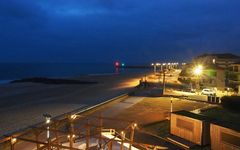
column 192, row 115
column 221, row 55
column 225, row 124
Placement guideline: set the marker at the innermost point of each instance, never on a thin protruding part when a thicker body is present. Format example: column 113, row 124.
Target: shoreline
column 8, row 81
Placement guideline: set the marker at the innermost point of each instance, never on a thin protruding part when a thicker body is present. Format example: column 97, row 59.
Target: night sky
column 108, row 30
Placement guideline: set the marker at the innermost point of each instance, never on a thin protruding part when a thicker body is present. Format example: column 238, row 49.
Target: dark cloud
column 105, row 30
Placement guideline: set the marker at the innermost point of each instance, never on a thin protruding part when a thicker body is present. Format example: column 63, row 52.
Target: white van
column 209, row 92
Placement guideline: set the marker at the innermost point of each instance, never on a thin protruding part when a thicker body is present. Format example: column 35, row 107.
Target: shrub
column 231, row 102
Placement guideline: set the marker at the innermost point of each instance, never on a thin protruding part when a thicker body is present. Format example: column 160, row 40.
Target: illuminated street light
column 198, row 70
column 123, row 134
column 13, row 140
column 73, row 117
column 134, row 125
column 48, row 120
column 69, row 136
column 154, row 67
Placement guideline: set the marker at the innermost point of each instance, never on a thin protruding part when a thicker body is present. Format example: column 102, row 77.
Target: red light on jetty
column 117, row 64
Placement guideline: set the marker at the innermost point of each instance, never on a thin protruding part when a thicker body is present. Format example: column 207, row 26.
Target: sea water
column 13, row 71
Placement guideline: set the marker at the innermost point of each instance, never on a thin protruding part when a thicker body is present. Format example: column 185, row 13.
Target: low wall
column 205, row 98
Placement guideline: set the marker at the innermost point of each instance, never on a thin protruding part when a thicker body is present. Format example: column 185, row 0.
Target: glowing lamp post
column 133, row 126
column 122, row 139
column 198, row 72
column 47, row 121
column 13, row 142
column 154, row 67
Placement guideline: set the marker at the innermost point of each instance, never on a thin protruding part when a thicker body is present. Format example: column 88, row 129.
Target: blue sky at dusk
column 108, row 30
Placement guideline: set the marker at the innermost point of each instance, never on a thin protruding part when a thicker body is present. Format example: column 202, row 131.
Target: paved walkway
column 121, row 106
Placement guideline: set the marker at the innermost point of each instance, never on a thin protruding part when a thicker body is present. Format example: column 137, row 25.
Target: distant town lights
column 163, row 64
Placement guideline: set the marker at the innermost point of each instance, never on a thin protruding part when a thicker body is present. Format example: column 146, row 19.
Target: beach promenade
column 23, row 104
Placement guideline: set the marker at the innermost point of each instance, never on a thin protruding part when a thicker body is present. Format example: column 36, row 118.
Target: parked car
column 209, row 92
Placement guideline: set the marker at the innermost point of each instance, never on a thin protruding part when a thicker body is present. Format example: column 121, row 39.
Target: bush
column 185, row 81
column 231, row 102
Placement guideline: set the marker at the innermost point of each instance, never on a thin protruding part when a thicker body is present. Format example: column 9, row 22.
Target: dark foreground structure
column 189, row 130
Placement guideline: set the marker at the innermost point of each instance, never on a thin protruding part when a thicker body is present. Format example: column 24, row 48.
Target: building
column 191, row 127
column 221, row 60
column 203, row 131
column 219, row 71
column 223, row 137
column 234, row 76
column 213, row 76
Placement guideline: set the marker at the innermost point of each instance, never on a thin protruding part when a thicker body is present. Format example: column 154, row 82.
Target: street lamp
column 198, row 70
column 13, row 142
column 154, row 67
column 133, row 126
column 47, row 121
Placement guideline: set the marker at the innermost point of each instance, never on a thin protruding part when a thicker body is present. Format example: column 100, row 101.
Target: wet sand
column 23, row 104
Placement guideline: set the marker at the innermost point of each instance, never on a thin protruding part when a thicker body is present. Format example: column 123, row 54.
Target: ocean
column 13, row 71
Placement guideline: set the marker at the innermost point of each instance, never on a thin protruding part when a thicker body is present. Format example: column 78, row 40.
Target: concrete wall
column 198, row 97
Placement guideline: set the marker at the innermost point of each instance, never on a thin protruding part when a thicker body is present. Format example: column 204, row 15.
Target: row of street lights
column 165, row 65
column 162, row 66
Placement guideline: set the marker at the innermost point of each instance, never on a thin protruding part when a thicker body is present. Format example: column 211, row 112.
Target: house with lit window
column 219, row 71
column 234, row 75
column 213, row 76
column 221, row 60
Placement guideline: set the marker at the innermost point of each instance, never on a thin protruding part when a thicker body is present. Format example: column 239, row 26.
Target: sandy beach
column 23, row 104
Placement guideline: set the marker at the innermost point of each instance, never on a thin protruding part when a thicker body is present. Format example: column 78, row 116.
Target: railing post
column 56, row 134
column 71, row 135
column 87, row 135
column 13, row 141
column 36, row 137
column 123, row 138
column 100, row 130
column 110, row 145
column 133, row 126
